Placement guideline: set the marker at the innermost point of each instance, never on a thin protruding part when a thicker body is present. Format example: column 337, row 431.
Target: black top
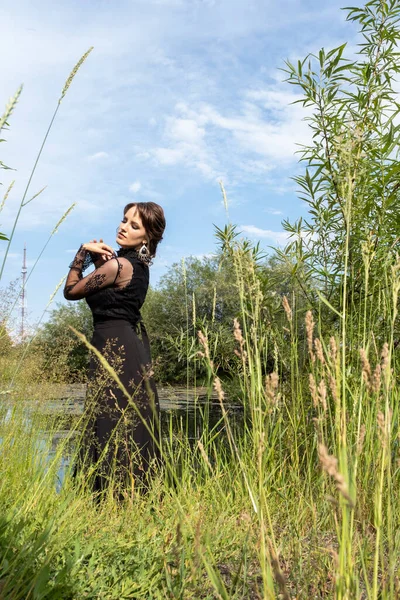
column 115, row 290
column 122, row 302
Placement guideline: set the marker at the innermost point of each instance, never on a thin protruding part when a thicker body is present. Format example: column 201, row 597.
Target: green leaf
column 42, row 582
column 328, row 304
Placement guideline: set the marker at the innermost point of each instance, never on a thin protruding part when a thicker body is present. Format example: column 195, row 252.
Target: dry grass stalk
column 335, row 556
column 271, row 385
column 59, row 284
column 218, row 389
column 287, row 309
column 25, row 202
column 10, row 107
column 376, row 379
column 10, row 187
column 224, row 197
column 237, row 332
column 204, row 342
column 361, row 439
column 194, row 310
column 313, row 390
column 366, row 368
column 329, row 464
column 309, row 332
column 334, row 388
column 64, row 216
column 322, row 394
column 278, row 574
column 385, row 356
column 384, row 426
column 204, row 455
column 221, row 396
column 319, row 351
column 261, row 448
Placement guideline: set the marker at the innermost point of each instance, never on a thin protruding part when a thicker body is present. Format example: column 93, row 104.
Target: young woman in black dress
column 119, row 440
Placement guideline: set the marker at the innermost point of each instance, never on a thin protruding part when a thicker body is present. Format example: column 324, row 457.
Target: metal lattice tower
column 23, row 295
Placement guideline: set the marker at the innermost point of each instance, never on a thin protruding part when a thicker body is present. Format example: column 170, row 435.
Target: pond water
column 183, row 411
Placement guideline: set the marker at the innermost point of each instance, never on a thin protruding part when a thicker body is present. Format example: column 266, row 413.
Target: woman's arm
column 77, row 286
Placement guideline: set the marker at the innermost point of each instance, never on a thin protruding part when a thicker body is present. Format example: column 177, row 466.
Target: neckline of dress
column 128, row 252
column 133, row 253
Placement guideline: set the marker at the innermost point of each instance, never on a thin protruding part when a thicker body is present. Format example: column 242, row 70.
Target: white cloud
column 185, row 131
column 261, row 135
column 278, row 237
column 186, row 145
column 273, row 211
column 168, row 156
column 98, row 156
column 135, row 187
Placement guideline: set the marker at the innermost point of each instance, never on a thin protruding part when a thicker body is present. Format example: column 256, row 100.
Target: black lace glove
column 82, row 260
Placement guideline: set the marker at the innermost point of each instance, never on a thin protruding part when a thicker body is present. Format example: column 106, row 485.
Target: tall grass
column 303, row 504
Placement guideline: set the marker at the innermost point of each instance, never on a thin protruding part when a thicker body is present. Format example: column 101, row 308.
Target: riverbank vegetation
column 303, row 502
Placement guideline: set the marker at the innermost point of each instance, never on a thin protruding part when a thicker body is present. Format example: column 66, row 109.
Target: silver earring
column 144, row 253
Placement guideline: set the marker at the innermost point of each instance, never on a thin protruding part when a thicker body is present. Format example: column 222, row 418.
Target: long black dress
column 120, row 442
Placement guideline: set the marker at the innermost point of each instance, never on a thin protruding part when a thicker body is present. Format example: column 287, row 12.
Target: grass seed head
column 319, row 351
column 333, row 349
column 218, row 389
column 329, row 464
column 385, row 356
column 73, row 73
column 334, row 388
column 10, row 187
column 361, row 439
column 322, row 394
column 384, row 425
column 376, row 379
column 287, row 309
column 310, row 332
column 204, row 454
column 65, row 215
column 9, row 108
column 204, row 342
column 366, row 368
column 271, row 385
column 237, row 332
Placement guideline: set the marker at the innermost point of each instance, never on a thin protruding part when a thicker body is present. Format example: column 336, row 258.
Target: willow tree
column 352, row 179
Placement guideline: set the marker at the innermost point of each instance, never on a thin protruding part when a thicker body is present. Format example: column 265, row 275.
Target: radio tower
column 23, row 298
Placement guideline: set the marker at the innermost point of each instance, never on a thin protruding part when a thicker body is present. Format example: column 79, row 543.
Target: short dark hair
column 153, row 219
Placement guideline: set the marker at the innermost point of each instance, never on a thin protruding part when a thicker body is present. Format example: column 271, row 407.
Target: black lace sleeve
column 77, row 287
column 83, row 260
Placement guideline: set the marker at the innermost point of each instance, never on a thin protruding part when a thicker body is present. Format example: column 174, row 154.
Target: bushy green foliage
column 192, row 293
column 65, row 358
column 352, row 182
column 5, row 340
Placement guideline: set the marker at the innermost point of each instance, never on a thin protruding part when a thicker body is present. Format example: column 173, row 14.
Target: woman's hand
column 102, row 251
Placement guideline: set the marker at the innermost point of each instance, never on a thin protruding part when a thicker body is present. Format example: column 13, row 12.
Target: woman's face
column 131, row 232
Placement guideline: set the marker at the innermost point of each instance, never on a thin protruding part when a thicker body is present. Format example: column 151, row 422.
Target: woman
column 121, row 435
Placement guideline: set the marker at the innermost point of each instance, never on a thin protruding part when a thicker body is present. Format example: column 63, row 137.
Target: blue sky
column 176, row 95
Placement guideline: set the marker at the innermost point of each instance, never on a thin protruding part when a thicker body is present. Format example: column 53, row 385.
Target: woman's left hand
column 101, row 250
